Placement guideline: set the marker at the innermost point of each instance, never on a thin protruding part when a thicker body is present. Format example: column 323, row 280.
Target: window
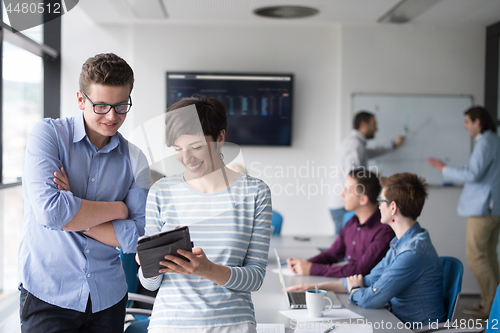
column 29, row 90
column 22, row 106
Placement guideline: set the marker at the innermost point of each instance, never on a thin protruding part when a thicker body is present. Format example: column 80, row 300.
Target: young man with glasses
column 85, row 190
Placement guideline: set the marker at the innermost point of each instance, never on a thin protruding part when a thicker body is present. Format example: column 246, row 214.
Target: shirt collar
column 371, row 220
column 358, row 135
column 79, row 130
column 477, row 137
column 79, row 133
column 414, row 229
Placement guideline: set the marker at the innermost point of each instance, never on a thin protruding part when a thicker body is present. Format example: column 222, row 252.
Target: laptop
column 297, row 299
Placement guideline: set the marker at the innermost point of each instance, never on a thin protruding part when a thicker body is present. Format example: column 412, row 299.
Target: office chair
column 140, row 316
column 494, row 320
column 276, row 222
column 453, row 271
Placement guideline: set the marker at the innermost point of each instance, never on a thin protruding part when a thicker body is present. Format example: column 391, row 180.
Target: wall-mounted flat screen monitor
column 259, row 106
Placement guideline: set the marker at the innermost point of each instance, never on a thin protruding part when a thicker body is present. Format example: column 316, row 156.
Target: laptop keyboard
column 297, row 298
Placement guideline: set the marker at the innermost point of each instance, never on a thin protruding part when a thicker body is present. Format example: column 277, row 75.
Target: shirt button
column 88, row 275
column 349, row 257
column 88, row 251
column 359, row 228
column 92, row 180
column 353, row 242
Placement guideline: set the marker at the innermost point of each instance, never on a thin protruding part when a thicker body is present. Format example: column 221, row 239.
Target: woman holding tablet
column 229, row 218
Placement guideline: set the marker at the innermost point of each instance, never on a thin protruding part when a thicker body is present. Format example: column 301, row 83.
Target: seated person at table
column 410, row 277
column 363, row 241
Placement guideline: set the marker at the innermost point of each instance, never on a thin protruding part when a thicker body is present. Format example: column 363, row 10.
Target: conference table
column 270, row 299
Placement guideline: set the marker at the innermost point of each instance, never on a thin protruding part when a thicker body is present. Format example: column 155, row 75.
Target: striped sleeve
column 250, row 276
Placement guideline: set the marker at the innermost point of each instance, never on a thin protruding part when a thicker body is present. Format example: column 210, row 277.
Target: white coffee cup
column 315, row 301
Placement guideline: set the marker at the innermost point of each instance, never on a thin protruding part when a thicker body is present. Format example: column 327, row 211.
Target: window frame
column 50, row 52
column 491, row 71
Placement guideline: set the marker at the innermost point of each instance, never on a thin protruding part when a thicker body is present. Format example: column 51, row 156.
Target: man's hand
column 399, row 141
column 61, row 180
column 436, row 164
column 354, row 280
column 299, row 266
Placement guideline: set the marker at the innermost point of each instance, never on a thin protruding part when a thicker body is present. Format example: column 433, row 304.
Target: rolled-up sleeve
column 52, row 207
column 128, row 231
column 481, row 158
column 405, row 269
column 250, row 276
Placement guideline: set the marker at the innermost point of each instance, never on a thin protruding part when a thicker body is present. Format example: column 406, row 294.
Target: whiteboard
column 433, row 125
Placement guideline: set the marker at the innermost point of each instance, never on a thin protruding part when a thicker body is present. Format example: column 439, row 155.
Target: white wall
column 82, row 38
column 311, row 53
column 329, row 62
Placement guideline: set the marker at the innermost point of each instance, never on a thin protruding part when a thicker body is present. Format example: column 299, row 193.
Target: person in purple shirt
column 363, row 241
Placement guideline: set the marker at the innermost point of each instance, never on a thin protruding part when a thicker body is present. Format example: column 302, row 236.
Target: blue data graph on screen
column 432, row 125
column 259, row 106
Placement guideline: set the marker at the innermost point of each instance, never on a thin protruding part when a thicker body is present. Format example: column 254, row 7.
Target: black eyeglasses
column 383, row 200
column 105, row 108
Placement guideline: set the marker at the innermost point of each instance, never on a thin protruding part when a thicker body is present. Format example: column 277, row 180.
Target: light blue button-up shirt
column 409, row 278
column 60, row 267
column 481, row 177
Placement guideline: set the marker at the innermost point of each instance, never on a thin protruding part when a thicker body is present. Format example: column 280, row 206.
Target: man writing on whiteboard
column 353, row 154
column 480, row 201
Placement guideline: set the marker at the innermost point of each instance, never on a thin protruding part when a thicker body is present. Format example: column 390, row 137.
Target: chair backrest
column 130, row 268
column 494, row 320
column 453, row 271
column 276, row 222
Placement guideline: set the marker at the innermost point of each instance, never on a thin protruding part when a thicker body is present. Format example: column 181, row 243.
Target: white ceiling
column 445, row 12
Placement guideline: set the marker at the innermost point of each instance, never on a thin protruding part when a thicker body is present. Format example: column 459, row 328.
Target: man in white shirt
column 353, row 154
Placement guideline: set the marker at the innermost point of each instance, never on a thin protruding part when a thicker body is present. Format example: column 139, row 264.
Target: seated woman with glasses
column 229, row 218
column 410, row 277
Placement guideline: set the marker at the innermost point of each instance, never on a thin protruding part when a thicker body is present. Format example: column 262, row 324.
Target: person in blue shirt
column 410, row 277
column 85, row 190
column 480, row 201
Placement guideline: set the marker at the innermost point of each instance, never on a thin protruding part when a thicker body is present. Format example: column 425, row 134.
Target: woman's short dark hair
column 210, row 114
column 362, row 117
column 485, row 119
column 369, row 182
column 408, row 191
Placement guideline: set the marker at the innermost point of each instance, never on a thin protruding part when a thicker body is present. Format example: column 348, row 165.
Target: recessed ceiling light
column 286, row 12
